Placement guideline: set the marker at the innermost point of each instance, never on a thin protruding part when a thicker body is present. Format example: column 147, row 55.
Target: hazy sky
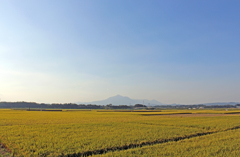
column 70, row 50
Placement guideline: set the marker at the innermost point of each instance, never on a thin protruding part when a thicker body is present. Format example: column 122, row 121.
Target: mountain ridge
column 123, row 100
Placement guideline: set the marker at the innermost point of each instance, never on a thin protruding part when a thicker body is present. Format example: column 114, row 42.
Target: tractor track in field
column 148, row 143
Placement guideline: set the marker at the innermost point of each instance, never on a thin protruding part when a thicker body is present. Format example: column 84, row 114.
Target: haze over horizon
column 184, row 52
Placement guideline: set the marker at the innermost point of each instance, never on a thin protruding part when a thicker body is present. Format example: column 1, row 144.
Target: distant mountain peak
column 124, row 100
column 117, row 96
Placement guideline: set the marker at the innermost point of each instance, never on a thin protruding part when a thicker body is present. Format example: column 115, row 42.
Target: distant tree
column 139, row 105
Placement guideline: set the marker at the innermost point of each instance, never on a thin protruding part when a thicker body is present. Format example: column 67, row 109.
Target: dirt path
column 3, row 152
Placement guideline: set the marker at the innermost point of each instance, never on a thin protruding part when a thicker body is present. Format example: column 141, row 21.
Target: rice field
column 219, row 144
column 113, row 133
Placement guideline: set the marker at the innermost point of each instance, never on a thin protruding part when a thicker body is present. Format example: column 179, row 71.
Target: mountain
column 211, row 104
column 123, row 100
column 221, row 103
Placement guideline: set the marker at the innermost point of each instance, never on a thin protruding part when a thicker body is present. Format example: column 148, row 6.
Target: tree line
column 108, row 106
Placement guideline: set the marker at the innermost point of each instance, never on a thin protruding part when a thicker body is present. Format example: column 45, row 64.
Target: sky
column 173, row 51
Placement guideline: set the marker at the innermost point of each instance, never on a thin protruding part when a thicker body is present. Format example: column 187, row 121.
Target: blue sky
column 69, row 51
